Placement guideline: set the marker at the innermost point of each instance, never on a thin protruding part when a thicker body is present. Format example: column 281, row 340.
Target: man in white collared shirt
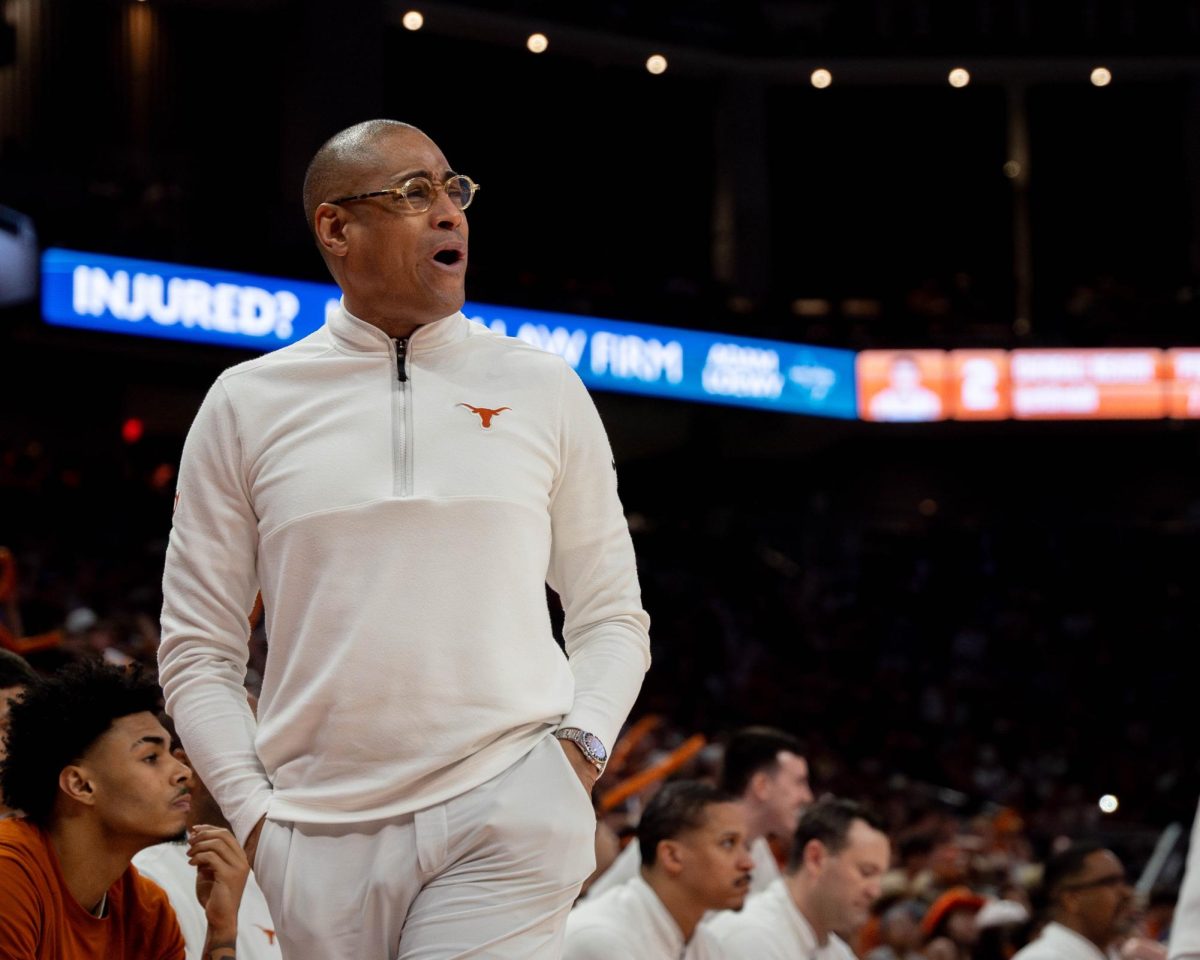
column 839, row 857
column 694, row 859
column 766, row 770
column 1090, row 905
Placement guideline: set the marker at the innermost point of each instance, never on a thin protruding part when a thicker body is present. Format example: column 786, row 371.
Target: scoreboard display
column 1045, row 384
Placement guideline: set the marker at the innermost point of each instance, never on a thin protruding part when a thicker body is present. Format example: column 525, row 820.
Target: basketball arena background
column 987, row 609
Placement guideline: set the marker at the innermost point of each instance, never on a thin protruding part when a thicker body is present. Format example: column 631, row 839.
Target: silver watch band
column 589, row 745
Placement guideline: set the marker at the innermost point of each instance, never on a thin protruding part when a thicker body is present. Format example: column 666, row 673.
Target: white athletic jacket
column 401, row 507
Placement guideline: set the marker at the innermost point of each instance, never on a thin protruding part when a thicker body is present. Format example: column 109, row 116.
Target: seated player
column 838, row 861
column 167, row 865
column 695, row 858
column 90, row 766
column 765, row 769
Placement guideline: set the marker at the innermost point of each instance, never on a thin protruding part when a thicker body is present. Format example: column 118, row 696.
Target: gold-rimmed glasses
column 416, row 194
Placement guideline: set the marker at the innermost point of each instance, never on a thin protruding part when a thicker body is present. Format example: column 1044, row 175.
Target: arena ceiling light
column 821, row 78
column 656, row 63
column 959, row 77
column 537, row 43
column 413, row 20
column 1101, row 77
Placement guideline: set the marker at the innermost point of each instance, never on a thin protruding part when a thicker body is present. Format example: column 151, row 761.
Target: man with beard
column 90, row 765
column 1091, row 905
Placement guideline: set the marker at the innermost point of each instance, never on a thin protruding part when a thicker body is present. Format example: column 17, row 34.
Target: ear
column 669, row 856
column 329, row 225
column 75, row 782
column 815, row 855
column 760, row 785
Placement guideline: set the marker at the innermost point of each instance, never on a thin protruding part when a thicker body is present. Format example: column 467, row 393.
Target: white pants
column 491, row 873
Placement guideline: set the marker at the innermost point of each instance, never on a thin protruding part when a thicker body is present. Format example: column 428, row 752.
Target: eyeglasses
column 416, row 194
column 1112, row 880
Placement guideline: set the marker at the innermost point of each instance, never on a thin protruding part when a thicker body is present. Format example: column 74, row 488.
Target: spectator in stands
column 838, row 860
column 900, row 931
column 1090, row 905
column 766, row 769
column 948, row 928
column 16, row 676
column 90, row 765
column 695, row 858
column 1003, row 928
column 167, row 865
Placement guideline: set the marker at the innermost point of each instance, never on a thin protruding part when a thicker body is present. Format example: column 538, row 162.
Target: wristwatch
column 588, row 743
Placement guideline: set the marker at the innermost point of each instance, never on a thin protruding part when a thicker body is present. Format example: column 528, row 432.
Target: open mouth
column 448, row 258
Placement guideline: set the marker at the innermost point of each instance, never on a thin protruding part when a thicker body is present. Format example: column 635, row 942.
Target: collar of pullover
column 354, row 334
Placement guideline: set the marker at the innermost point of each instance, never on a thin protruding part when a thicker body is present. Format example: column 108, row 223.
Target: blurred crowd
column 974, row 682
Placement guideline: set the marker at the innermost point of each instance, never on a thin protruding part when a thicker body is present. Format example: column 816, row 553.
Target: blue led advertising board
column 149, row 298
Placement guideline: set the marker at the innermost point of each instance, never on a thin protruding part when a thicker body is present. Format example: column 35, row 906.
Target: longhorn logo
column 270, row 934
column 485, row 415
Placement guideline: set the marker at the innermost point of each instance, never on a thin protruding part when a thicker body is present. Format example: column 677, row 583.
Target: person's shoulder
column 513, row 349
column 593, row 934
column 314, row 344
column 736, row 936
column 22, row 841
column 30, row 893
column 161, row 861
column 1036, row 949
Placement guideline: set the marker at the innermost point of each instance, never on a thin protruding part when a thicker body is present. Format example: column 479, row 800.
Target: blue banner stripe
column 149, row 298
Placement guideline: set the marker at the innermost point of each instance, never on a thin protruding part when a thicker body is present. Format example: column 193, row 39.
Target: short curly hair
column 58, row 720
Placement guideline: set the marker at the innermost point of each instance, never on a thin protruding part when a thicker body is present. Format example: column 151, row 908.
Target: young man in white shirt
column 1091, row 905
column 839, row 857
column 694, row 859
column 167, row 865
column 400, row 486
column 765, row 769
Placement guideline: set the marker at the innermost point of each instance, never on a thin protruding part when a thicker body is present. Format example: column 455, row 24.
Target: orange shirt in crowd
column 40, row 920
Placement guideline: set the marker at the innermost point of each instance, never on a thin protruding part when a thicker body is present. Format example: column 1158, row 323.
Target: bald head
column 332, row 171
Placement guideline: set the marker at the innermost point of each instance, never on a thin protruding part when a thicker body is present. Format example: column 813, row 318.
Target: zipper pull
column 401, row 357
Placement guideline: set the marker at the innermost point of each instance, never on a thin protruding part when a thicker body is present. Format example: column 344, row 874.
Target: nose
column 443, row 213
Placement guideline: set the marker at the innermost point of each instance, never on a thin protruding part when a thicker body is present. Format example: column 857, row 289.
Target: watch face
column 595, row 747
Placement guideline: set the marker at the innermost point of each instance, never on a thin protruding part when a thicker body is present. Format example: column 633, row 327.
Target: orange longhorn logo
column 485, row 415
column 270, row 934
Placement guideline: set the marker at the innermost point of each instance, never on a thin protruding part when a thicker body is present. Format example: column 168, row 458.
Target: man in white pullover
column 695, row 858
column 401, row 485
column 839, row 857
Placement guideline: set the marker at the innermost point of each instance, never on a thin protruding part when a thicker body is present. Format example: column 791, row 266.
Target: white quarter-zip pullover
column 401, row 506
